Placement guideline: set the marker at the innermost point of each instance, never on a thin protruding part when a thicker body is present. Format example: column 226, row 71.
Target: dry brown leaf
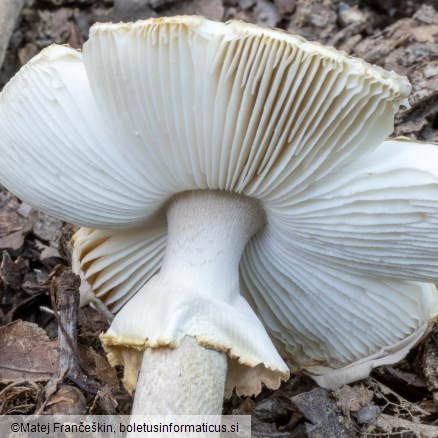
column 318, row 407
column 13, row 225
column 352, row 398
column 26, row 353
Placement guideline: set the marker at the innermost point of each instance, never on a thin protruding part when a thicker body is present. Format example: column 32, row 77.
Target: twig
column 65, row 299
column 66, row 303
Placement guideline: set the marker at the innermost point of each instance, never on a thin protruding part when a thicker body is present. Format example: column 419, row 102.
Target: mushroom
column 236, row 192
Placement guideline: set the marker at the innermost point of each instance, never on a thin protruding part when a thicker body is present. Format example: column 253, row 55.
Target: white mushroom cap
column 164, row 106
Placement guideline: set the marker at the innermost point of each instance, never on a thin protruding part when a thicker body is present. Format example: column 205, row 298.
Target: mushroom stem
column 207, row 233
column 193, row 384
column 186, row 314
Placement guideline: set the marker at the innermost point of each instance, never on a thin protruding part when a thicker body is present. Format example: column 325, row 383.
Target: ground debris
column 26, row 353
column 391, row 425
column 131, row 10
column 68, row 400
column 13, row 225
column 314, row 20
column 409, row 46
column 19, row 397
column 324, row 415
column 12, row 272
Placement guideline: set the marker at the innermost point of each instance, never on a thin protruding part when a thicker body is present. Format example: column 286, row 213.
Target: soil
column 399, row 400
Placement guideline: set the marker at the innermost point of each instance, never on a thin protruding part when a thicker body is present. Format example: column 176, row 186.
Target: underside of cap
column 195, row 294
column 333, row 378
column 239, row 108
column 237, row 29
column 350, row 263
column 51, row 131
column 114, row 266
column 270, row 116
column 338, row 310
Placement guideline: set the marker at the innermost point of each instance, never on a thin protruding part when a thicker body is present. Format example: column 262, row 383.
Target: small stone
column 431, row 70
column 285, row 6
column 348, row 16
column 368, row 414
column 266, row 14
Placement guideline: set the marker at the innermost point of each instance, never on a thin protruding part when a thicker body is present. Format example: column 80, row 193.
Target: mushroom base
column 170, row 381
